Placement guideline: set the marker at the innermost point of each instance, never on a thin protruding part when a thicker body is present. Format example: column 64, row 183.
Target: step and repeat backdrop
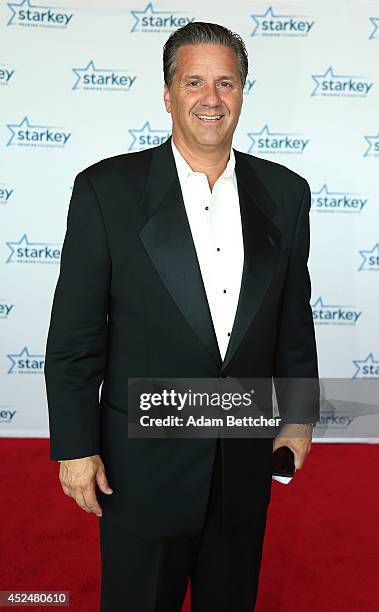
column 82, row 80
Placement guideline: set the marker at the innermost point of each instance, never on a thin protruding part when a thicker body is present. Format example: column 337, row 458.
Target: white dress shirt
column 215, row 221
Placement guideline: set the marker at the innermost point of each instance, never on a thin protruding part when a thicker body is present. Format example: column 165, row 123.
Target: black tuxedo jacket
column 130, row 302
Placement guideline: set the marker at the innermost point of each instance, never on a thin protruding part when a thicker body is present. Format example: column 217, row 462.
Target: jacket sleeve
column 296, row 369
column 76, row 348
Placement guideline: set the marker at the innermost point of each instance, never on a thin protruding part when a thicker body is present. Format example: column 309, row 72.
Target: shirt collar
column 185, row 170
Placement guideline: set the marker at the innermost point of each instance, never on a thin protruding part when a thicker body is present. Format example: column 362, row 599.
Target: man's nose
column 210, row 95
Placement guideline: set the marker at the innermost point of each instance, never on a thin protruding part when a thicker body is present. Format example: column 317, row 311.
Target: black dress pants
column 144, row 575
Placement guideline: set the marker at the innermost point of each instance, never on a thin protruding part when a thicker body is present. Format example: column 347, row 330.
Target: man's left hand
column 298, row 438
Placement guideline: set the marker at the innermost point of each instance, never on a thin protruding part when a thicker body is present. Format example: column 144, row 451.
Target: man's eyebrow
column 192, row 76
column 227, row 77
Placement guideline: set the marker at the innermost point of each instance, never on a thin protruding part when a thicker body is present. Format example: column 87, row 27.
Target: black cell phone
column 283, row 462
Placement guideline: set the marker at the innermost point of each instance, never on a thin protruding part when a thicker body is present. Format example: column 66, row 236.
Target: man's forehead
column 195, row 59
column 206, row 51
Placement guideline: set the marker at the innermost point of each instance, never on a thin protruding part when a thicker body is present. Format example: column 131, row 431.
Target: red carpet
column 321, row 546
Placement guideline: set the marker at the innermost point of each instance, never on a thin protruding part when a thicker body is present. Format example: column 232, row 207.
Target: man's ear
column 166, row 98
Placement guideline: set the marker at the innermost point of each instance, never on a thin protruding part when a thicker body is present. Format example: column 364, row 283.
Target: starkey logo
column 367, row 367
column 24, row 13
column 370, row 259
column 147, row 137
column 326, row 201
column 267, row 142
column 100, row 79
column 271, row 24
column 6, row 193
column 150, row 19
column 331, row 84
column 25, row 252
column 334, row 314
column 26, row 134
column 6, row 74
column 25, row 362
column 372, row 150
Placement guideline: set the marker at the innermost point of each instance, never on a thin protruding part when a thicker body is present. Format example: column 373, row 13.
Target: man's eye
column 226, row 84
column 194, row 83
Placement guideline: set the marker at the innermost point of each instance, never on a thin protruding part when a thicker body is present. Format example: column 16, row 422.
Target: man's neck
column 210, row 162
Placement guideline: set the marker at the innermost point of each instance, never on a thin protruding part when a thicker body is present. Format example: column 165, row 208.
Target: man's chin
column 210, row 140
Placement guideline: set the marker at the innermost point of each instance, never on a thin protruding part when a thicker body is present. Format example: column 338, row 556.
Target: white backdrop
column 82, row 80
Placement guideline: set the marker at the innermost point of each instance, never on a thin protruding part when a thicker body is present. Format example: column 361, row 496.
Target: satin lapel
column 168, row 241
column 262, row 240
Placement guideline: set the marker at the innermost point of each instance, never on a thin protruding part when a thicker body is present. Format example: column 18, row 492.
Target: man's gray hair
column 197, row 33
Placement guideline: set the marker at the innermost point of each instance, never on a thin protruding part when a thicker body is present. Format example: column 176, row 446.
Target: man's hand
column 78, row 478
column 298, row 438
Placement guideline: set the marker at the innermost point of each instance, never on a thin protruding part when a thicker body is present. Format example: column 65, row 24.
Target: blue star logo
column 270, row 24
column 365, row 255
column 265, row 130
column 361, row 363
column 37, row 15
column 146, row 130
column 24, row 3
column 373, row 143
column 148, row 10
column 24, row 240
column 330, row 75
column 11, row 126
column 10, row 5
column 319, row 303
column 325, row 191
column 375, row 23
column 23, row 123
column 13, row 357
column 78, row 72
column 269, row 13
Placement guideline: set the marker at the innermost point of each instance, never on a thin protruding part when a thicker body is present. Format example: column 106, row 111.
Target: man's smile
column 209, row 118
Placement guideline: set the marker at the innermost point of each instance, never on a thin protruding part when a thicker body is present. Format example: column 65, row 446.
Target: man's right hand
column 78, row 478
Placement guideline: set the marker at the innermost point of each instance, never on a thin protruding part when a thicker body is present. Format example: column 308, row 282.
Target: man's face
column 205, row 95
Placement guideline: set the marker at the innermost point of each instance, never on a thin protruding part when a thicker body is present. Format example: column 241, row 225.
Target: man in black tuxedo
column 155, row 241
